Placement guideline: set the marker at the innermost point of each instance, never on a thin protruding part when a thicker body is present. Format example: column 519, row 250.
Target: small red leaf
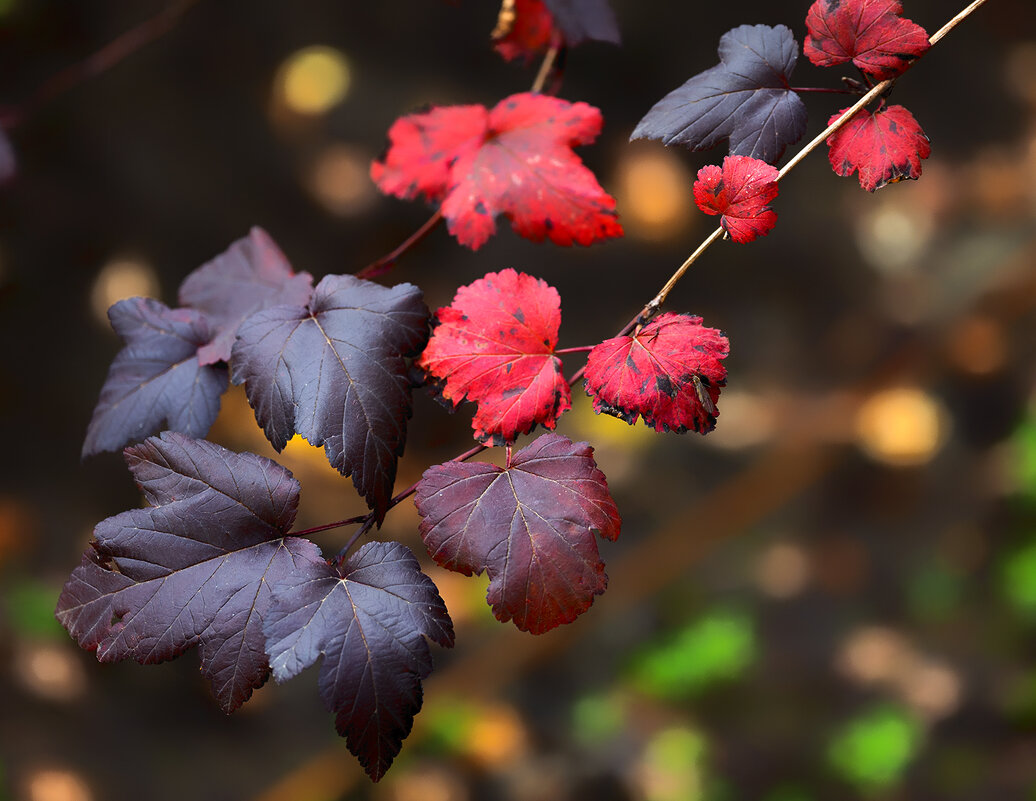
column 495, row 346
column 886, row 146
column 515, row 160
column 739, row 193
column 524, row 33
column 530, row 526
column 669, row 373
column 869, row 33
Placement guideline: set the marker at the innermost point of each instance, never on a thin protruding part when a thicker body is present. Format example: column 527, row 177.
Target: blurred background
column 832, row 596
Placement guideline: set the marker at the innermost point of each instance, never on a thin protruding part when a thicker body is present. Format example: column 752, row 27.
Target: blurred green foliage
column 598, row 717
column 29, row 605
column 874, row 749
column 718, row 647
column 447, row 724
column 1018, row 578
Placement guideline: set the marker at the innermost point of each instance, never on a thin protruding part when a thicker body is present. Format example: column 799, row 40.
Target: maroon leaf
column 334, row 371
column 585, row 19
column 250, row 276
column 156, row 381
column 524, row 29
column 495, row 346
column 740, row 192
column 195, row 567
column 746, row 98
column 886, row 146
column 530, row 526
column 367, row 622
column 869, row 33
column 515, row 160
column 669, row 373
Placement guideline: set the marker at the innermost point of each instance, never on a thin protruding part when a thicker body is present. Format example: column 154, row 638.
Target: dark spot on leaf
column 519, row 315
column 665, row 386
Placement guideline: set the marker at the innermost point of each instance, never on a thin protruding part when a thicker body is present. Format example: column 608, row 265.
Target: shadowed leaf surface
column 156, row 381
column 670, row 373
column 746, row 98
column 869, row 33
column 530, row 526
column 885, row 146
column 335, row 372
column 585, row 19
column 368, row 621
column 515, row 160
column 251, row 275
column 740, row 193
column 195, row 567
column 495, row 346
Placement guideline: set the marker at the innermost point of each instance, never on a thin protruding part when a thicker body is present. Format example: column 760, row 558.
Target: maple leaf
column 335, row 372
column 669, row 373
column 194, row 568
column 495, row 346
column 368, row 621
column 885, row 146
column 530, row 526
column 585, row 19
column 156, row 381
column 869, row 33
column 523, row 29
column 740, row 192
column 746, row 98
column 250, row 276
column 515, row 160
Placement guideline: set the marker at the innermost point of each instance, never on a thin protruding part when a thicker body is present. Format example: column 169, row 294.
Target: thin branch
column 805, row 90
column 583, row 349
column 386, row 263
column 101, row 61
column 546, row 67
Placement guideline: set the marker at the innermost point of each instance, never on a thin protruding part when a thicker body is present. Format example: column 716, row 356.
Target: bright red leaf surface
column 886, row 146
column 368, row 621
column 524, row 30
column 495, row 346
column 740, row 193
column 515, row 160
column 250, row 276
column 193, row 568
column 869, row 33
column 530, row 526
column 670, row 373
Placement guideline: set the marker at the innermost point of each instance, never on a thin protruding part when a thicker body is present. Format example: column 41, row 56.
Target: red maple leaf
column 869, row 33
column 524, row 29
column 739, row 192
column 515, row 159
column 495, row 346
column 669, row 373
column 886, row 146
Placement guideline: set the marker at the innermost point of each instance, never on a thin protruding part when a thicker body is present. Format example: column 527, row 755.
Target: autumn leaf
column 250, row 276
column 746, row 98
column 531, row 526
column 368, row 621
column 194, row 567
column 740, row 193
column 157, row 380
column 885, row 146
column 523, row 30
column 670, row 373
column 869, row 33
column 494, row 345
column 335, row 371
column 515, row 160
column 580, row 20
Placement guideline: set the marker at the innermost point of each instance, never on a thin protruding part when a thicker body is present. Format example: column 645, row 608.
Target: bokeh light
column 782, row 570
column 673, row 765
column 338, row 179
column 122, row 277
column 873, row 750
column 50, row 671
column 57, row 785
column 893, row 234
column 653, row 192
column 902, row 426
column 314, row 80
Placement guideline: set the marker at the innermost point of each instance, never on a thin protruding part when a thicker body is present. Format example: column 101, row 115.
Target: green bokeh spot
column 29, row 608
column 448, row 723
column 597, row 718
column 674, row 759
column 718, row 647
column 935, row 592
column 1018, row 579
column 873, row 750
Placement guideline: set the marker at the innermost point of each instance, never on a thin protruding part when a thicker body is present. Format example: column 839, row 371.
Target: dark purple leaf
column 368, row 622
column 746, row 98
column 195, row 567
column 585, row 19
column 334, row 372
column 531, row 526
column 250, row 276
column 156, row 381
